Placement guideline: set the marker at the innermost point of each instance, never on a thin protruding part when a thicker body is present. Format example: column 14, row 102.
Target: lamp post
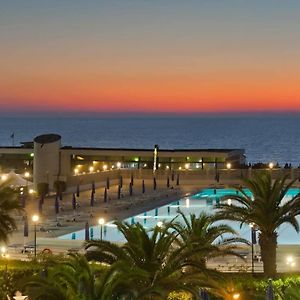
column 160, row 224
column 35, row 219
column 27, row 175
column 271, row 167
column 253, row 242
column 228, row 167
column 101, row 222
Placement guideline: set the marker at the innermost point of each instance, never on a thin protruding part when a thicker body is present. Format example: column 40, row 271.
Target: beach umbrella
column 217, row 177
column 42, row 198
column 242, row 174
column 119, row 191
column 131, row 179
column 121, row 181
column 74, row 201
column 168, row 182
column 253, row 236
column 77, row 190
column 86, row 231
column 177, row 180
column 107, row 183
column 143, row 186
column 23, row 200
column 173, row 176
column 154, row 183
column 93, row 187
column 270, row 292
column 40, row 206
column 130, row 189
column 92, row 233
column 204, row 295
column 56, row 205
column 105, row 195
column 25, row 226
column 92, row 200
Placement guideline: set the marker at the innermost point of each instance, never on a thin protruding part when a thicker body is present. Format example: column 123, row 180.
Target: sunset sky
column 150, row 55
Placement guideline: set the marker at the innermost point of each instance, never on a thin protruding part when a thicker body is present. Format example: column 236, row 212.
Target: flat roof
column 70, row 148
column 151, row 150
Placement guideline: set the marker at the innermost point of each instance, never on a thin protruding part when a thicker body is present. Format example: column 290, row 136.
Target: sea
column 265, row 137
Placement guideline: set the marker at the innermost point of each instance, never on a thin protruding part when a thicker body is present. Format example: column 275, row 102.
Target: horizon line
column 74, row 113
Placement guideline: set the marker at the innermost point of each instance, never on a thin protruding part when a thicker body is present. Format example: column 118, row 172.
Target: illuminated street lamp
column 118, row 165
column 187, row 202
column 160, row 224
column 290, row 261
column 3, row 177
column 19, row 296
column 101, row 222
column 187, row 166
column 76, row 171
column 35, row 219
column 228, row 166
column 104, row 167
column 3, row 251
column 27, row 175
column 253, row 242
column 271, row 165
column 91, row 169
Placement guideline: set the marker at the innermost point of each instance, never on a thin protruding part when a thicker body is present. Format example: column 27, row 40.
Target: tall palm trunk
column 268, row 246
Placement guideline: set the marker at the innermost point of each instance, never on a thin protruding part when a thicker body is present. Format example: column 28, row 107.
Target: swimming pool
column 202, row 201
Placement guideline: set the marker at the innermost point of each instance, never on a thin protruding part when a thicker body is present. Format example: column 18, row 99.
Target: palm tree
column 267, row 209
column 148, row 265
column 72, row 279
column 206, row 238
column 9, row 205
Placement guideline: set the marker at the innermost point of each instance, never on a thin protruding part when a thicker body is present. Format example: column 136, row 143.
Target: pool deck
column 48, row 231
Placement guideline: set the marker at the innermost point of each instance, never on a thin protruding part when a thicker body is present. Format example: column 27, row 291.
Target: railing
column 212, row 175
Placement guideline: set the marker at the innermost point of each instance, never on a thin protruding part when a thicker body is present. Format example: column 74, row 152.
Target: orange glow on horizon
column 153, row 95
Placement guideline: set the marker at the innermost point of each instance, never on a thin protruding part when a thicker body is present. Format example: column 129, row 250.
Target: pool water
column 202, row 201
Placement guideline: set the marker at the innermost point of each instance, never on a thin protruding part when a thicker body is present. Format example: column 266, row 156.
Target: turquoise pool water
column 202, row 201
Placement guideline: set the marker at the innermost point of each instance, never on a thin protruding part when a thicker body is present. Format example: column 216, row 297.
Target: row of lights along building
column 49, row 161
